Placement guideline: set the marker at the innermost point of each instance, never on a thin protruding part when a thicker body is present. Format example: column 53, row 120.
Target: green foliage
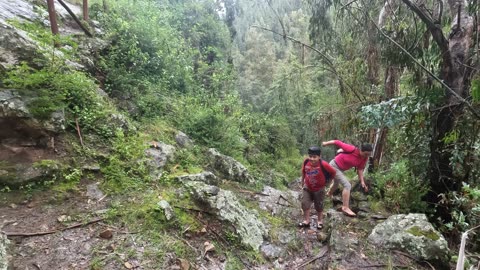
column 475, row 90
column 126, row 167
column 392, row 112
column 399, row 189
column 466, row 211
column 53, row 89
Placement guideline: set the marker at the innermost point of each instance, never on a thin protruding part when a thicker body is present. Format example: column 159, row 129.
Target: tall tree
column 455, row 72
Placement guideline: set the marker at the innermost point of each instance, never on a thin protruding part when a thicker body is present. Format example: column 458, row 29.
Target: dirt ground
column 50, row 230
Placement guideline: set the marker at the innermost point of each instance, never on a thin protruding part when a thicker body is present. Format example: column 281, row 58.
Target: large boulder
column 205, row 177
column 183, row 141
column 13, row 107
column 17, row 175
column 228, row 167
column 276, row 202
column 3, row 252
column 159, row 153
column 413, row 234
column 344, row 245
column 227, row 207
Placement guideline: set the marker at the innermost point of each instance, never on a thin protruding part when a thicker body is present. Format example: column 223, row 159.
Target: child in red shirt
column 315, row 174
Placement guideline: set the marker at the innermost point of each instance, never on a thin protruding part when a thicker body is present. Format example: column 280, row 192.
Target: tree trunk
column 85, row 10
column 52, row 16
column 456, row 75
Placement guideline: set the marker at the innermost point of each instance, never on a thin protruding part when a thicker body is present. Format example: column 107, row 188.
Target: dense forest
column 259, row 81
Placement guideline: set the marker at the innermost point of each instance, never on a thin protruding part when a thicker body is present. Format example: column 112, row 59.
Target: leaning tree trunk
column 391, row 84
column 455, row 74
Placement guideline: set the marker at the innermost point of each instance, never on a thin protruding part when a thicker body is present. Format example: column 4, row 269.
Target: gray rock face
column 272, row 252
column 21, row 174
column 413, row 234
column 226, row 205
column 228, row 167
column 206, row 177
column 280, row 202
column 160, row 154
column 343, row 244
column 183, row 141
column 13, row 106
column 3, row 252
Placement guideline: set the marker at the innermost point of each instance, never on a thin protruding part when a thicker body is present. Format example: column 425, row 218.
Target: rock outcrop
column 228, row 168
column 414, row 235
column 227, row 207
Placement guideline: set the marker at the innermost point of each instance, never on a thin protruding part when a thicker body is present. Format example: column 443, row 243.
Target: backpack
column 327, row 175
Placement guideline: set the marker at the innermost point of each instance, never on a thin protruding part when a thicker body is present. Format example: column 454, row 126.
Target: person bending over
column 349, row 157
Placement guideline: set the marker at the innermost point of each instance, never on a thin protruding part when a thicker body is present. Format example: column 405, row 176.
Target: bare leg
column 306, row 216
column 346, row 203
column 320, row 218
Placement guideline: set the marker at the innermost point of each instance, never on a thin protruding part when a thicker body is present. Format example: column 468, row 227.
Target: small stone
column 64, row 218
column 107, row 234
column 184, row 264
column 13, row 206
column 280, row 260
column 321, row 236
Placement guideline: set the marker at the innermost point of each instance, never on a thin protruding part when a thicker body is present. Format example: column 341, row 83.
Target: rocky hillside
column 70, row 200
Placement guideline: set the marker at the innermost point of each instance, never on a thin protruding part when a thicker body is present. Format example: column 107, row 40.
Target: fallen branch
column 322, row 253
column 79, row 132
column 413, row 258
column 383, row 265
column 53, row 231
column 75, row 18
column 188, row 244
column 193, row 209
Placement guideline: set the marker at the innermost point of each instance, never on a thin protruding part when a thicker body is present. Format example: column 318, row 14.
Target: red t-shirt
column 313, row 175
column 353, row 159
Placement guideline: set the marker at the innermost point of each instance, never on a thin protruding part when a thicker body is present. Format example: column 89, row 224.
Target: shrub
column 400, row 190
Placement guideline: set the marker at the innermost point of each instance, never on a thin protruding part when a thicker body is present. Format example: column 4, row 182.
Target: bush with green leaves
column 399, row 189
column 126, row 166
column 56, row 89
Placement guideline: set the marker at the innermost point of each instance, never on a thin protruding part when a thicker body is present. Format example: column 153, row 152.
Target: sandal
column 303, row 225
column 319, row 226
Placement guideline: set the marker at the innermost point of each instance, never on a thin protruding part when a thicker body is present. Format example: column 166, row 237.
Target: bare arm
column 328, row 143
column 362, row 180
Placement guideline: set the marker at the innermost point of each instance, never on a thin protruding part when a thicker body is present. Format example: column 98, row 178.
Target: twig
column 103, row 197
column 192, row 209
column 382, row 265
column 79, row 132
column 54, row 231
column 322, row 253
column 413, row 258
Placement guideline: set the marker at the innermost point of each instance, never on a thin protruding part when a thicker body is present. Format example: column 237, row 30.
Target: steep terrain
column 65, row 203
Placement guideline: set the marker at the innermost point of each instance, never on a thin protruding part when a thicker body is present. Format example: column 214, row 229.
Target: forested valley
column 168, row 134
